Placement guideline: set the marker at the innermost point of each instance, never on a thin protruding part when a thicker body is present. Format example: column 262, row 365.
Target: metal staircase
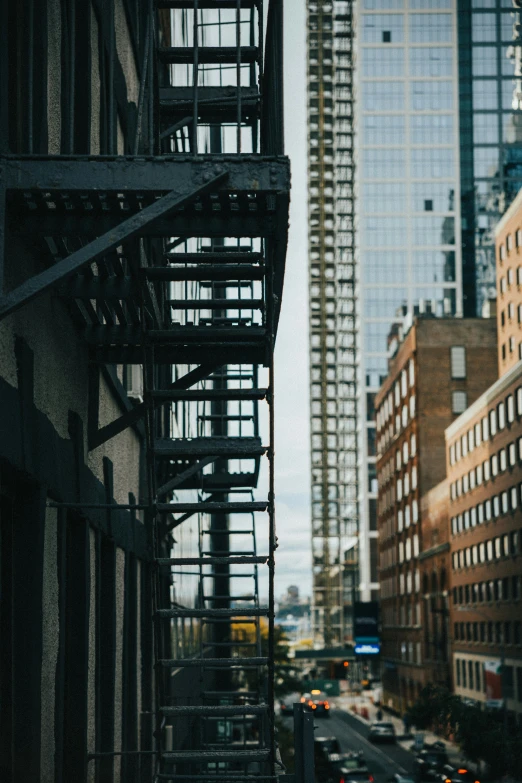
column 173, row 261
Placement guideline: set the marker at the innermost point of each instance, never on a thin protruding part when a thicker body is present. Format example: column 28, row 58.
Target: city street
column 383, row 760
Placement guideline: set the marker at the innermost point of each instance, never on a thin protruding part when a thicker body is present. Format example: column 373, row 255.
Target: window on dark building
column 386, row 36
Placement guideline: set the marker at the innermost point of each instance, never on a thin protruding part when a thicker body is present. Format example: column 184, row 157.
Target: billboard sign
column 366, row 622
column 493, row 681
column 367, row 648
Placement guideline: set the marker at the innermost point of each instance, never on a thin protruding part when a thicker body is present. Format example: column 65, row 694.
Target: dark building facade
column 143, row 219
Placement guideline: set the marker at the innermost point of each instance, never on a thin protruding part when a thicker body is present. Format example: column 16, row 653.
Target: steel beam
column 102, row 245
column 246, row 173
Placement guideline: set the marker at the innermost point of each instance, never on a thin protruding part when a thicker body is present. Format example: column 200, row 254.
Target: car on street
column 324, row 747
column 346, row 767
column 457, row 775
column 381, row 732
column 316, row 702
column 430, row 762
column 398, row 778
column 287, row 704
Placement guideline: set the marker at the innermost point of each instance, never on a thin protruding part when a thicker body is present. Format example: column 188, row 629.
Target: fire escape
column 171, row 263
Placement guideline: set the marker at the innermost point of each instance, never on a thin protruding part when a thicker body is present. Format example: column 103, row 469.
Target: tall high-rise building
column 436, row 90
column 332, row 312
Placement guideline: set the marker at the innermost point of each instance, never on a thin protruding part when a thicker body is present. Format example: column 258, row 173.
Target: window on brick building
column 510, row 407
column 496, row 506
column 458, row 362
column 485, row 428
column 502, row 458
column 504, row 502
column 512, row 454
column 486, row 468
column 511, row 344
column 459, row 401
column 452, row 454
column 480, row 513
column 473, row 514
column 513, row 498
column 494, row 465
column 479, row 474
column 493, row 423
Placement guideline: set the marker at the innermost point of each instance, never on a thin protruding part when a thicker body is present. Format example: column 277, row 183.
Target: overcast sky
column 293, row 563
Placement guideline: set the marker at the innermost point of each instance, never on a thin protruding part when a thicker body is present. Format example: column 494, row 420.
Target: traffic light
column 341, row 670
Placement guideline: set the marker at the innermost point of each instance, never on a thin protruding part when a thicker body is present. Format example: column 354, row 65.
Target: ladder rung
column 211, row 508
column 176, row 55
column 178, row 448
column 219, row 272
column 203, row 561
column 214, row 613
column 218, row 755
column 216, row 304
column 222, row 710
column 179, row 663
column 227, row 257
column 202, row 395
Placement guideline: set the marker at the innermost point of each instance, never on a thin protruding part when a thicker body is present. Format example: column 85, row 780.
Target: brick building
column 441, row 366
column 484, row 476
column 509, row 286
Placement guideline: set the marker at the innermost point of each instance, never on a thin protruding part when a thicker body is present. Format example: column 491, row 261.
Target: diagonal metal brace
column 102, row 245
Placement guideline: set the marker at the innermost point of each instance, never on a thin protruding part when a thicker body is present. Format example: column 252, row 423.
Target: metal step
column 229, row 598
column 222, row 710
column 180, row 663
column 227, row 257
column 207, row 4
column 212, row 508
column 230, row 644
column 211, row 395
column 245, row 448
column 229, row 553
column 216, row 272
column 216, row 304
column 209, row 777
column 215, row 104
column 222, row 417
column 227, row 532
column 202, row 757
column 176, row 55
column 230, row 694
column 213, row 613
column 203, row 561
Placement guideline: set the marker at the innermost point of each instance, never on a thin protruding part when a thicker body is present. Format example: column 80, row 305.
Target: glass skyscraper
column 439, row 159
column 437, row 129
column 407, row 200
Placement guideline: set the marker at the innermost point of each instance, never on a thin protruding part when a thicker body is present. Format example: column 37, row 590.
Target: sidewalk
column 362, row 708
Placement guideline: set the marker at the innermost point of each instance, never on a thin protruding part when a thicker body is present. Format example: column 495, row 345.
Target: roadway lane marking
column 379, row 751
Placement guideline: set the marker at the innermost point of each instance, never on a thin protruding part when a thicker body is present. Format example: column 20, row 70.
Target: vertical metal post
column 303, row 745
column 195, row 68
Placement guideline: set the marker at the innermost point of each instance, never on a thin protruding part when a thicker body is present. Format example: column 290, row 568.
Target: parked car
column 381, row 732
column 430, row 762
column 345, row 767
column 316, row 702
